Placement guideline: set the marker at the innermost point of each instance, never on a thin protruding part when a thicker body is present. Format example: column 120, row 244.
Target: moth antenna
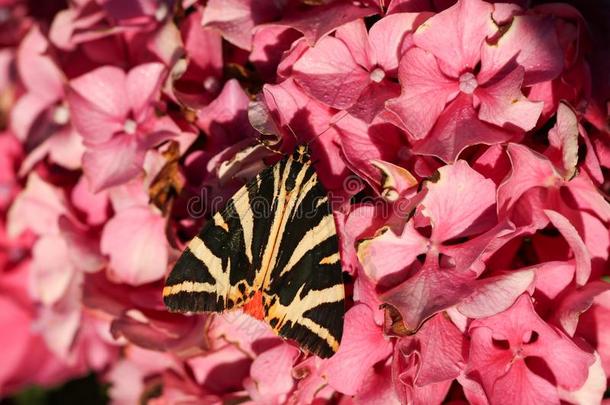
column 282, row 118
column 330, row 125
column 263, row 144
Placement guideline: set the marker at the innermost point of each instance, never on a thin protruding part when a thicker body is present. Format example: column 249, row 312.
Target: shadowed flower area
column 464, row 147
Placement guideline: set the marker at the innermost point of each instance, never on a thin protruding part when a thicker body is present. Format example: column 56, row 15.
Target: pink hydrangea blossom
column 464, row 145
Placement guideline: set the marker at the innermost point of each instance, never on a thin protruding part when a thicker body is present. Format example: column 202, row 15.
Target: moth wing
column 304, row 300
column 217, row 269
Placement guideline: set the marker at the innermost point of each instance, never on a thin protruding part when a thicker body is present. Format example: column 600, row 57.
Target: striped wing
column 275, row 236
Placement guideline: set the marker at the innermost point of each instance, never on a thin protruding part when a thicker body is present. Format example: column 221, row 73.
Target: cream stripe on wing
column 213, row 263
column 324, row 230
column 188, row 286
column 246, row 218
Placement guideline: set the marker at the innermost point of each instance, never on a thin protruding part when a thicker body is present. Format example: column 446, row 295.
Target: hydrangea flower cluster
column 469, row 142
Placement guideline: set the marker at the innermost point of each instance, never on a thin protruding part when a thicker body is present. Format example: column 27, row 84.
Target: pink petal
column 361, row 143
column 142, row 86
column 397, row 184
column 329, row 73
column 270, row 374
column 94, row 205
column 421, row 79
column 495, row 294
column 320, row 20
column 355, row 36
column 438, row 362
column 501, row 371
column 25, row 113
column 373, row 98
column 451, row 216
column 269, row 44
column 529, row 169
column 581, row 254
column 455, row 35
column 222, row 370
column 405, row 369
column 37, row 70
column 388, row 253
column 563, row 139
column 114, row 162
column 225, row 120
column 235, row 19
column 99, row 103
column 82, row 246
column 52, row 270
column 363, row 345
column 576, row 302
column 429, row 291
column 457, row 128
column 503, row 104
column 387, row 35
column 594, row 324
column 592, row 390
column 129, row 238
column 532, row 40
column 377, row 389
column 38, row 208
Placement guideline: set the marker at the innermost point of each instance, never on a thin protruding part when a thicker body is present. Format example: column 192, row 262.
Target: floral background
column 467, row 144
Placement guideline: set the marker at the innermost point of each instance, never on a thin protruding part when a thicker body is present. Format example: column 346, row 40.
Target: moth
column 274, row 251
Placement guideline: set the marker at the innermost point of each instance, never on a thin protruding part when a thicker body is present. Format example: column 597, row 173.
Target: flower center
column 468, row 83
column 377, row 75
column 61, row 115
column 130, row 126
column 211, row 84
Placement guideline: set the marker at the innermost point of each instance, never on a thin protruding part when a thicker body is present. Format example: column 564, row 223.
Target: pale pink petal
column 455, row 35
column 387, row 35
column 421, row 79
column 457, row 128
column 594, row 324
column 592, row 390
column 579, row 249
column 52, row 270
column 322, row 19
column 134, row 239
column 82, row 246
column 553, row 277
column 25, row 113
column 329, row 73
column 37, row 70
column 142, row 86
column 362, row 345
column 495, row 294
column 457, row 200
column 114, row 162
column 235, row 19
column 99, row 104
column 94, row 205
column 38, row 208
column 66, row 148
column 388, row 253
column 503, row 104
column 270, row 374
